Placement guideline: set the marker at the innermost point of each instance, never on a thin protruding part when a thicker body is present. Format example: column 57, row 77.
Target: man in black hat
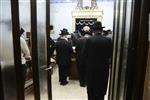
column 63, row 56
column 79, row 55
column 98, row 50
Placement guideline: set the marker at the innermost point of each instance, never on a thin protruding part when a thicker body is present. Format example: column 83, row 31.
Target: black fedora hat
column 98, row 25
column 64, row 31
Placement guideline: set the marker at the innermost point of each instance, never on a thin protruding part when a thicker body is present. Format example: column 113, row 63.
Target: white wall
column 108, row 8
column 24, row 15
column 60, row 16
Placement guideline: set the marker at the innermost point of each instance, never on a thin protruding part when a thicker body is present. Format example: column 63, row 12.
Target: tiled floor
column 72, row 91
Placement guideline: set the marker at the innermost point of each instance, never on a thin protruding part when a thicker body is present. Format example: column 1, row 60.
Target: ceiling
column 71, row 1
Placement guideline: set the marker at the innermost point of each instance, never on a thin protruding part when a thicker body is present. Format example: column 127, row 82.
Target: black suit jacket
column 98, row 51
column 63, row 52
column 80, row 45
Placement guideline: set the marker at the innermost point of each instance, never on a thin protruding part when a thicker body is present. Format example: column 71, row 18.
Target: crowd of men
column 93, row 54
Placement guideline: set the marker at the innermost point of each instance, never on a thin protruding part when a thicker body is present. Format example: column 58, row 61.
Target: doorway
column 65, row 15
column 125, row 54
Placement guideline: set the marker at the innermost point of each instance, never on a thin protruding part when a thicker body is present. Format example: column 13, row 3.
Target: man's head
column 51, row 27
column 21, row 31
column 98, row 26
column 86, row 30
column 64, row 31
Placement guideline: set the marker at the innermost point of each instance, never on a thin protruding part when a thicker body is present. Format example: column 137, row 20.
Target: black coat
column 97, row 53
column 63, row 52
column 80, row 45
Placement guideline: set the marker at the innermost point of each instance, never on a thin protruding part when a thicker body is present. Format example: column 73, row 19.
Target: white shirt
column 25, row 53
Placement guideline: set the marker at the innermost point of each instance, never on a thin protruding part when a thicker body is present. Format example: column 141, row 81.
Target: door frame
column 16, row 47
column 35, row 51
column 49, row 81
column 138, row 50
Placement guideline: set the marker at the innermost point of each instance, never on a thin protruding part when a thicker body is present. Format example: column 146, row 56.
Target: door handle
column 49, row 68
column 43, row 67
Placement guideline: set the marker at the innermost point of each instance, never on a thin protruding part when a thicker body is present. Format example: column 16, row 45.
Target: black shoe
column 64, row 83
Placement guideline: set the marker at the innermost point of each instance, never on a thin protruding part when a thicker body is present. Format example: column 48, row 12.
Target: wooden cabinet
column 73, row 72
